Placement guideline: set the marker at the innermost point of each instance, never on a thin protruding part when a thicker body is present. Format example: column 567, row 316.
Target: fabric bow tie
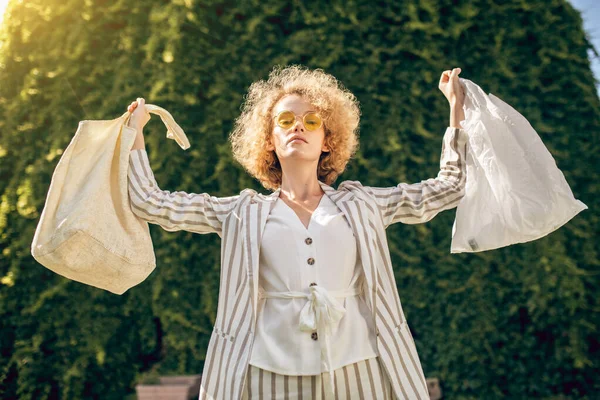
column 321, row 307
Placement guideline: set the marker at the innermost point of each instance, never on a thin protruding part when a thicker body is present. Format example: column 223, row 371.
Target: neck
column 300, row 184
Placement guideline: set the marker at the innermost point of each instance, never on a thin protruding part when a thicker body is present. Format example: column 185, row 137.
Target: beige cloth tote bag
column 87, row 231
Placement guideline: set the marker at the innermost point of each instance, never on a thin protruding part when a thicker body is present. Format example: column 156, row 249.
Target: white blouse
column 303, row 329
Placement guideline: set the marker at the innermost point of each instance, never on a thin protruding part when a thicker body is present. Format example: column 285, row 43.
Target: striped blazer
column 240, row 220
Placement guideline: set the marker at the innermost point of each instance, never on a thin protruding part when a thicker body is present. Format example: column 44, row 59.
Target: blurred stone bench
column 184, row 387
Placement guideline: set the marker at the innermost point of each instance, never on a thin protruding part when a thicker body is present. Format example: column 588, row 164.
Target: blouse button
column 310, row 261
column 308, row 240
column 314, row 336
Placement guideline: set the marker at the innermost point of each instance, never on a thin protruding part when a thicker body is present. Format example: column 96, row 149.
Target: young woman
column 308, row 306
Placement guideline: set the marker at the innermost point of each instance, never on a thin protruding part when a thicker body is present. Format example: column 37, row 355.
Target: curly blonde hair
column 337, row 106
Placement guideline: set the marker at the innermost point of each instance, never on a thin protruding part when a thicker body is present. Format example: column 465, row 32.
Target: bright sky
column 3, row 4
column 590, row 12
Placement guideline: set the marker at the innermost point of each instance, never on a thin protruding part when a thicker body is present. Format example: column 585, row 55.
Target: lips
column 296, row 138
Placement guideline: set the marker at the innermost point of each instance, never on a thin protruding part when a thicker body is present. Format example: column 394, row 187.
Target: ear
column 270, row 145
column 324, row 147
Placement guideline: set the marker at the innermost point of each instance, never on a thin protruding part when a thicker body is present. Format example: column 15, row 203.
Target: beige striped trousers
column 364, row 380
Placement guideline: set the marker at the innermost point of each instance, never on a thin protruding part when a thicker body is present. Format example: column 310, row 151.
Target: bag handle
column 174, row 131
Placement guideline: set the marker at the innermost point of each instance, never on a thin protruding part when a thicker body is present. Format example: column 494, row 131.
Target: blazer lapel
column 255, row 218
column 357, row 214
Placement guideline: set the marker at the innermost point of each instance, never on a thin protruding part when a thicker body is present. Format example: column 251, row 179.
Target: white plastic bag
column 515, row 193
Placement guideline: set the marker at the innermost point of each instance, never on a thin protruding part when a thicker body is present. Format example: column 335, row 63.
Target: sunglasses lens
column 286, row 119
column 312, row 121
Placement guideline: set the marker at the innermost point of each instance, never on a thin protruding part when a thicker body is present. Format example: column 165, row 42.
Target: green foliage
column 518, row 322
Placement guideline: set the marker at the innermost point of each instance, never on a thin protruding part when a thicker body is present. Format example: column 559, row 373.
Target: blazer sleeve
column 417, row 203
column 198, row 213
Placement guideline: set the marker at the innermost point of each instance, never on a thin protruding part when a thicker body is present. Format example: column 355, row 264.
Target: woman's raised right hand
column 139, row 117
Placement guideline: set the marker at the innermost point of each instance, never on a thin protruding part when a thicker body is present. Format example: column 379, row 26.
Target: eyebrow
column 285, row 109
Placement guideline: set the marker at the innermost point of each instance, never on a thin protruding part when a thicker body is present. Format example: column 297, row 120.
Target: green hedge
column 518, row 322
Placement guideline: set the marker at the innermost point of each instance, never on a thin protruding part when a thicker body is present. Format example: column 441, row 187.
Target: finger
column 444, row 74
column 455, row 73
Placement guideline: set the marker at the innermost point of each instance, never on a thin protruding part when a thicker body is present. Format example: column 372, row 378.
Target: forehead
column 294, row 103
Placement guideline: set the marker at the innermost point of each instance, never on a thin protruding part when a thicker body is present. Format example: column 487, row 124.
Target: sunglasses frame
column 303, row 116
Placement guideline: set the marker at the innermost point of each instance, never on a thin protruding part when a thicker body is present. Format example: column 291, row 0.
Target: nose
column 296, row 123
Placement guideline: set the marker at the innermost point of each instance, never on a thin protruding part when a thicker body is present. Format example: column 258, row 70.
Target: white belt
column 321, row 312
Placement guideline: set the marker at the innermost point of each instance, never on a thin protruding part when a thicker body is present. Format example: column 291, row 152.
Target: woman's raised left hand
column 452, row 88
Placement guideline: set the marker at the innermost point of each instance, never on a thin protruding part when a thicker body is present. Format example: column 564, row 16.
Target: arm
column 139, row 140
column 419, row 202
column 198, row 213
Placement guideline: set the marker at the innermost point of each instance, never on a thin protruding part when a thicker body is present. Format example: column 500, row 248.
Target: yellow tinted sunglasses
column 286, row 119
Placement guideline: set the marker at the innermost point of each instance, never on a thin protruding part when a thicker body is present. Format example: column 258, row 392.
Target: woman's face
column 311, row 143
